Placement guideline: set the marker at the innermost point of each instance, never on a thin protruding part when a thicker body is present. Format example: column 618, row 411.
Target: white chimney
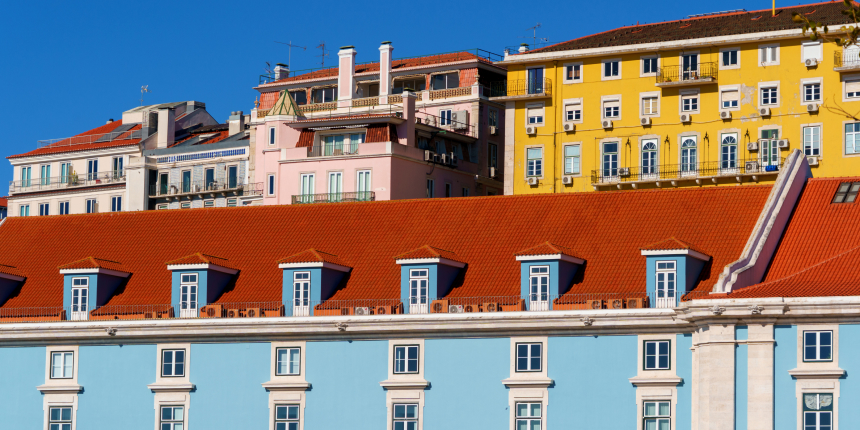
column 524, row 47
column 346, row 75
column 166, row 127
column 236, row 122
column 282, row 71
column 385, row 68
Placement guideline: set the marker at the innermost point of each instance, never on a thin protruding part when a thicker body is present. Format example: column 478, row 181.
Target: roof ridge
column 807, row 269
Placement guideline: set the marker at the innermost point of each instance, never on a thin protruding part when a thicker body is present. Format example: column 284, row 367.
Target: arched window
column 729, row 152
column 688, row 155
column 649, row 157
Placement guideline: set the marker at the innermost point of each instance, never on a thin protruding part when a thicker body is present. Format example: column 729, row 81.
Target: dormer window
column 188, row 296
column 426, row 273
column 666, row 284
column 539, row 288
column 301, row 293
column 312, row 276
column 89, row 284
column 547, row 271
column 80, row 292
column 419, row 279
column 198, row 278
column 673, row 269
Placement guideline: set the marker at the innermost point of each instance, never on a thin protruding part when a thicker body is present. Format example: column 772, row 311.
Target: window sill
column 526, row 382
column 171, row 387
column 834, row 373
column 286, row 386
column 405, row 384
column 656, row 382
column 60, row 388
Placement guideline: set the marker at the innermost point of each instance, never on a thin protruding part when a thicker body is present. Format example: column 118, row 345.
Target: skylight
column 846, row 193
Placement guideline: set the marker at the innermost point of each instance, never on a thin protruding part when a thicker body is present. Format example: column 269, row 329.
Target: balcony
column 359, row 196
column 676, row 76
column 200, row 188
column 846, row 63
column 674, row 173
column 67, row 182
column 333, row 150
column 521, row 89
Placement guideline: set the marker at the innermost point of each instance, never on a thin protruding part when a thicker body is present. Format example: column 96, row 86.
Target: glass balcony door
column 535, row 80
column 80, row 299
column 689, row 157
column 691, row 67
column 335, row 186
column 301, row 294
column 649, row 159
column 610, row 161
column 729, row 154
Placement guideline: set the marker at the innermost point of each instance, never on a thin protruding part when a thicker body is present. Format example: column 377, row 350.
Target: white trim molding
column 202, row 266
column 683, row 251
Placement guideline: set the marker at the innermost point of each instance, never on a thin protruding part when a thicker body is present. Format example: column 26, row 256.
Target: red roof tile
column 836, row 276
column 428, row 251
column 93, row 263
column 3, row 202
column 546, row 248
column 828, row 13
column 86, row 141
column 313, row 256
column 306, row 139
column 599, row 226
column 9, row 270
column 671, row 244
column 199, row 258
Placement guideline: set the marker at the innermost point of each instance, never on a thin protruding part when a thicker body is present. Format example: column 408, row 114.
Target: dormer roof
column 12, row 273
column 674, row 246
column 284, row 105
column 314, row 258
column 94, row 265
column 430, row 254
column 548, row 251
column 202, row 261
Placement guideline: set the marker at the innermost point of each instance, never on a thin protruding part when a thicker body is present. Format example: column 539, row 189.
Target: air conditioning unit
column 253, row 313
column 751, row 166
column 567, row 180
column 443, row 158
column 428, row 155
column 430, row 120
column 381, row 310
column 607, row 123
column 811, row 62
column 616, row 304
column 725, row 115
column 812, row 107
column 346, row 311
column 454, row 160
column 232, row 313
column 645, row 120
column 439, row 307
column 460, row 119
column 362, row 310
column 813, row 161
column 685, row 117
column 455, row 309
column 782, row 143
column 765, row 111
column 492, row 172
column 493, row 130
column 150, row 315
column 531, row 130
column 436, row 157
column 569, row 126
column 753, row 145
column 196, row 188
column 173, row 189
column 624, row 171
column 637, row 303
column 533, row 181
column 594, row 304
column 470, row 308
column 490, row 307
column 211, row 311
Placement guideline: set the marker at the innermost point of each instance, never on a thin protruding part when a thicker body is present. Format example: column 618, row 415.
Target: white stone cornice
column 171, row 388
column 286, row 386
column 656, row 382
column 60, row 389
column 835, row 373
column 405, row 384
column 528, row 382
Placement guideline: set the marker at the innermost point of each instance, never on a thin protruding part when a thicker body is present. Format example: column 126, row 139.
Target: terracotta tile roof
column 829, row 13
column 200, row 258
column 216, row 136
column 381, row 133
column 599, row 226
column 428, row 251
column 546, row 248
column 671, row 244
column 9, row 270
column 82, row 141
column 306, row 139
column 93, row 263
column 3, row 202
column 313, row 256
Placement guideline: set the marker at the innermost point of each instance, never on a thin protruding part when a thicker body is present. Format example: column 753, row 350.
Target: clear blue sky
column 66, row 67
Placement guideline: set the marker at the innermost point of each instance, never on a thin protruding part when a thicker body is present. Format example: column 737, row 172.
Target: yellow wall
column 790, row 114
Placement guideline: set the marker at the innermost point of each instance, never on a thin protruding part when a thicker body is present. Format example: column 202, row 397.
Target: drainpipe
column 555, row 132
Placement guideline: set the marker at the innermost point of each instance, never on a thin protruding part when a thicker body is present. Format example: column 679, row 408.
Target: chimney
column 236, row 123
column 523, row 48
column 110, row 120
column 166, row 127
column 385, row 68
column 345, row 75
column 282, row 71
column 409, row 117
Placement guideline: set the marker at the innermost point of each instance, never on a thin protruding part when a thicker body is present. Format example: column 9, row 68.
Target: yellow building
column 710, row 100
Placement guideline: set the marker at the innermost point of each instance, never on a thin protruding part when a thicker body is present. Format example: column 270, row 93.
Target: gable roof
column 3, row 202
column 428, row 251
column 284, row 105
column 313, row 256
column 200, row 258
column 93, row 263
column 101, row 137
column 828, row 13
column 9, row 270
column 546, row 248
column 599, row 226
column 836, row 276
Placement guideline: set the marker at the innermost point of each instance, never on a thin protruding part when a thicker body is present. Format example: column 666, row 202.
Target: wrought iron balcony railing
column 333, row 149
column 173, row 189
column 669, row 172
column 521, row 87
column 73, row 180
column 679, row 75
column 358, row 196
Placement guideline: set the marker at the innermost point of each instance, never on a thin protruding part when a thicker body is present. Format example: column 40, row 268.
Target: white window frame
column 642, row 73
column 648, row 95
column 524, row 350
column 818, row 345
column 285, row 423
column 116, row 203
column 774, row 85
column 727, row 88
column 578, row 158
column 529, row 419
column 289, row 361
column 574, row 80
column 603, row 76
column 573, row 103
column 24, row 210
column 173, row 362
column 61, row 424
column 611, row 98
column 44, row 209
column 310, row 178
column 80, row 298
column 405, row 421
column 845, row 79
column 542, row 117
column 810, row 43
column 63, row 207
column 812, row 81
column 666, row 301
column 684, row 94
column 172, row 423
column 417, row 277
column 209, row 203
column 301, row 293
column 537, row 167
column 67, row 369
column 406, row 361
column 817, row 410
column 761, row 55
column 803, row 127
column 657, row 354
column 189, row 295
column 658, row 417
column 446, row 116
column 733, row 66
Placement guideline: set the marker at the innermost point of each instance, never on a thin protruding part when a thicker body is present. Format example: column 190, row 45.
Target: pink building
column 392, row 129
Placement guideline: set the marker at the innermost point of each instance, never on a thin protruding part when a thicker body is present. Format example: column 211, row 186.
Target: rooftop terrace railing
column 73, row 180
column 668, row 172
column 358, row 196
column 90, row 138
column 354, row 307
column 174, row 189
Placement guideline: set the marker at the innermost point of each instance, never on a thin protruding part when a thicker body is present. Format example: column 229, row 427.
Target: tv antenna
column 534, row 37
column 290, row 55
column 323, row 55
column 143, row 90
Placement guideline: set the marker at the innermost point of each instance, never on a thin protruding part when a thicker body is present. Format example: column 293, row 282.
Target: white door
column 80, row 299
column 188, row 296
column 307, row 188
column 539, row 288
column 666, row 284
column 363, row 185
column 335, row 186
column 610, row 162
column 689, row 166
column 729, row 154
column 301, row 294
column 418, row 282
column 649, row 159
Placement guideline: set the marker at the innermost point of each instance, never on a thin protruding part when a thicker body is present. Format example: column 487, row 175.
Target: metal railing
column 357, row 196
column 333, row 150
column 90, row 138
column 521, row 87
column 196, row 187
column 675, row 74
column 73, row 180
column 850, row 60
column 667, row 172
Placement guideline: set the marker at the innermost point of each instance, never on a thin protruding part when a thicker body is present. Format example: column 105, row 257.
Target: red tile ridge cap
column 547, row 248
column 201, row 258
column 11, row 270
column 313, row 255
column 427, row 251
column 670, row 244
column 93, row 263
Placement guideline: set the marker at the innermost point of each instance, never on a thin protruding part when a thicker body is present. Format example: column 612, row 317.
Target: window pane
column 664, row 425
column 295, row 361
column 522, row 424
column 411, row 411
column 664, row 361
column 650, row 361
column 664, row 408
column 651, row 425
column 664, row 348
column 535, row 425
column 535, row 409
column 650, row 409
column 399, row 411
column 293, row 412
column 522, row 409
column 281, row 413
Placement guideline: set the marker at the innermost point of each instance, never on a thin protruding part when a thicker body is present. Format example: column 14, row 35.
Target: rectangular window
column 534, row 161
column 188, row 295
column 535, row 81
column 529, row 357
column 812, row 92
column 308, row 187
column 529, row 416
column 65, row 172
column 666, row 284
column 769, row 54
column 208, row 203
column 852, row 138
column 657, row 416
column 62, row 365
column 689, row 103
column 289, row 361
column 573, row 72
column 270, row 180
column 852, row 89
column 363, row 185
column 161, row 206
column 445, row 116
column 817, row 411
column 571, row 159
column 492, row 155
column 80, row 298
column 25, row 176
column 768, row 96
column 419, row 280
column 64, row 208
column 811, row 51
column 209, row 179
column 611, row 69
column 92, row 170
column 185, row 205
column 335, row 186
column 287, row 417
column 447, row 190
column 173, row 362
column 405, row 417
column 231, row 203
column 172, row 418
column 534, row 114
column 45, row 175
column 406, row 359
column 818, row 346
column 272, row 136
column 812, row 141
column 730, row 58
column 25, row 210
column 411, row 84
column 116, row 203
column 573, row 111
column 60, row 418
column 300, row 97
column 465, row 192
column 431, row 188
column 117, row 168
column 649, row 65
column 729, row 99
column 301, row 293
column 493, row 120
column 650, row 106
column 44, row 209
column 445, row 81
column 657, row 355
column 324, row 95
column 611, row 108
column 232, row 176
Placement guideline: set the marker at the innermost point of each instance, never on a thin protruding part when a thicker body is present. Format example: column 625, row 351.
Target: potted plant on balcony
column 73, row 178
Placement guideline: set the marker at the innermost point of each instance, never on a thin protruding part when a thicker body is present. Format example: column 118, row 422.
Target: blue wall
column 91, row 293
column 345, row 379
column 114, row 380
column 849, row 360
column 785, row 359
column 176, row 294
column 461, row 371
column 228, row 378
column 20, row 402
column 591, row 382
column 688, row 271
column 684, row 369
column 561, row 275
column 741, row 378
